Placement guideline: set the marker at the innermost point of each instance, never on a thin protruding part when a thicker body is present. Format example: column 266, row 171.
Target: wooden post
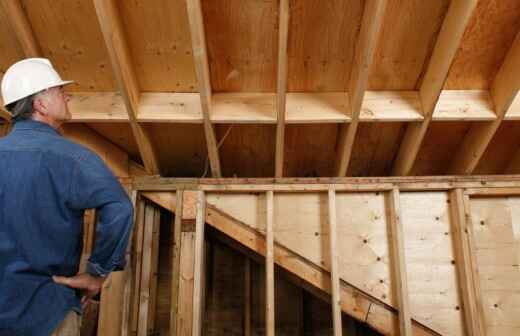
column 336, row 301
column 465, row 264
column 399, row 263
column 154, row 269
column 199, row 264
column 146, row 272
column 247, row 296
column 138, row 253
column 269, row 267
column 176, row 263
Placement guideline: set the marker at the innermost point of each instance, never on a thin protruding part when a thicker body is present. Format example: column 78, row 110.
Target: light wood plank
column 200, row 54
column 399, row 262
column 269, row 267
column 466, row 268
column 199, row 264
column 154, row 270
column 146, row 272
column 185, row 309
column 443, row 54
column 174, row 311
column 137, row 262
column 247, row 296
column 22, row 28
column 365, row 48
column 281, row 85
column 334, row 268
column 504, row 90
column 121, row 61
column 466, row 105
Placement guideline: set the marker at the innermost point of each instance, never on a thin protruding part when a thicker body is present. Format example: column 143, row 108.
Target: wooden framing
column 446, row 47
column 459, row 189
column 176, row 264
column 465, row 267
column 281, row 85
column 22, row 28
column 123, row 70
column 269, row 266
column 365, row 47
column 504, row 90
column 199, row 264
column 202, row 69
column 336, row 298
column 399, row 263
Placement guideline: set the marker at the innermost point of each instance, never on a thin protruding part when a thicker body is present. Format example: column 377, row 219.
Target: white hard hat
column 28, row 77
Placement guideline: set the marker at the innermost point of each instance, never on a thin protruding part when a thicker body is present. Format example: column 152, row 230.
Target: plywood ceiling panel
column 375, row 148
column 242, row 44
column 247, row 150
column 158, row 35
column 181, row 149
column 441, row 142
column 310, row 150
column 486, row 41
column 409, row 32
column 501, row 150
column 119, row 134
column 69, row 34
column 320, row 55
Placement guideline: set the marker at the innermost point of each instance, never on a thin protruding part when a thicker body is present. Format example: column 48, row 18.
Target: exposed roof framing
column 446, row 47
column 122, row 64
column 365, row 47
column 346, row 88
column 200, row 55
column 504, row 91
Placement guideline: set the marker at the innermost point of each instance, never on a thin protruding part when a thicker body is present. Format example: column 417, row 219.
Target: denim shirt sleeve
column 94, row 186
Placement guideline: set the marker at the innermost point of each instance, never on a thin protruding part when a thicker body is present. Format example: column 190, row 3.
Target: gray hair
column 22, row 109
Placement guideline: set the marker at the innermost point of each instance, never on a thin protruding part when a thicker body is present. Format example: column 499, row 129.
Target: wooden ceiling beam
column 448, row 42
column 200, row 55
column 281, row 85
column 365, row 48
column 504, row 90
column 121, row 61
column 22, row 28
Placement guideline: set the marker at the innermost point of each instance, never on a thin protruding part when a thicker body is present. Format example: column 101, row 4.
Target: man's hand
column 89, row 285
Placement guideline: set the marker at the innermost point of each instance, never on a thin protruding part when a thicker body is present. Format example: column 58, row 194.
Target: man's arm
column 94, row 186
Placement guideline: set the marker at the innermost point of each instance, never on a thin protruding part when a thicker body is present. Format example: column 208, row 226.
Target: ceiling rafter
column 200, row 55
column 281, row 85
column 365, row 48
column 22, row 28
column 116, row 44
column 504, row 90
column 448, row 42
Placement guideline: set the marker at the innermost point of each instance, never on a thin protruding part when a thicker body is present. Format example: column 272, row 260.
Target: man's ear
column 39, row 105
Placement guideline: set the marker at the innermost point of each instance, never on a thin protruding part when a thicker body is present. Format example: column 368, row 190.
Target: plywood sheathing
column 69, row 34
column 486, row 41
column 241, row 39
column 409, row 32
column 159, row 39
column 502, row 149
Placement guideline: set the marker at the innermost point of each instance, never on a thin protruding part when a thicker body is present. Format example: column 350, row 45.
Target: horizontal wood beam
column 365, row 48
column 121, row 61
column 351, row 184
column 302, row 107
column 200, row 55
column 448, row 41
column 504, row 91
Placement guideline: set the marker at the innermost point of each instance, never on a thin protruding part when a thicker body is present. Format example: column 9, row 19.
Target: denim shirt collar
column 33, row 125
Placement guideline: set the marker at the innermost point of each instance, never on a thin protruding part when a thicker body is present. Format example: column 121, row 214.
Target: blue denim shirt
column 46, row 182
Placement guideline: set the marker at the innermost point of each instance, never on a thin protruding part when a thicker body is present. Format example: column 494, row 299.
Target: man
column 46, row 183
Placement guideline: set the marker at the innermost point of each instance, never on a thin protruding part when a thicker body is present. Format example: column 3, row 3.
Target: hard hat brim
column 60, row 83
